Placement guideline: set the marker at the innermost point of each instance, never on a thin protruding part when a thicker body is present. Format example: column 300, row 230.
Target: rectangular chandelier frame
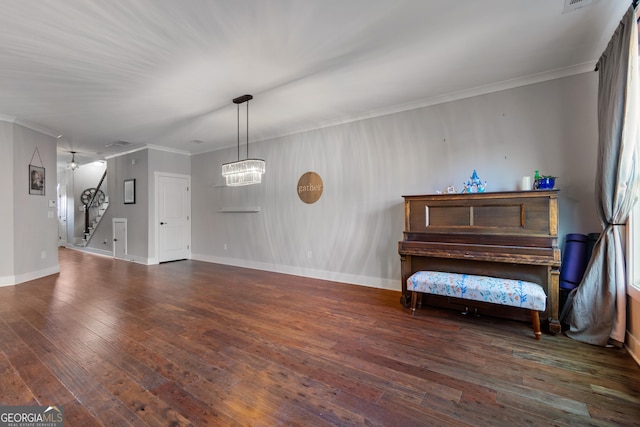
column 243, row 172
column 247, row 171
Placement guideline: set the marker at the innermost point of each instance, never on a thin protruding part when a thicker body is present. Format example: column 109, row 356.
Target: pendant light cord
column 238, row 130
column 247, row 129
column 241, row 100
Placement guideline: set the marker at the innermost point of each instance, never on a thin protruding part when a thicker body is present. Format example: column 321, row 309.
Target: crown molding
column 463, row 94
column 167, row 149
column 491, row 88
column 38, row 128
column 531, row 79
column 148, row 147
column 5, row 118
column 29, row 125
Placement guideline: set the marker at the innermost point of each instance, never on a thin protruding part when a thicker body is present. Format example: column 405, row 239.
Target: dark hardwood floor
column 193, row 343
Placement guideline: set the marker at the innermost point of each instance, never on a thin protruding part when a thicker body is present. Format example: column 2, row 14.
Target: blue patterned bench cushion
column 495, row 290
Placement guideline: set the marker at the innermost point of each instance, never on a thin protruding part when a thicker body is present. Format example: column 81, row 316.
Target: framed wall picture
column 129, row 191
column 36, row 180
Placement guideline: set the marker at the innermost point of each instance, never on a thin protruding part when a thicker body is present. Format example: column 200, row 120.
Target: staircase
column 95, row 216
column 94, row 204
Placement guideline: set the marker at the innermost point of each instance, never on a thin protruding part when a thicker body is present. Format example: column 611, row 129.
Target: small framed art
column 129, row 191
column 36, row 180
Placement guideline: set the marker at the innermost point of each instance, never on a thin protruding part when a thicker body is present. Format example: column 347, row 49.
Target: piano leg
column 554, row 297
column 405, row 269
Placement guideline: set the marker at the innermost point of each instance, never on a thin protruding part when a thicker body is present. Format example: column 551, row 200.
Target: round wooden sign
column 310, row 187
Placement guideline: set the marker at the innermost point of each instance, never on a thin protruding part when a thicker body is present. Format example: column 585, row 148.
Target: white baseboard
column 141, row 260
column 7, row 281
column 31, row 275
column 90, row 250
column 109, row 254
column 354, row 279
column 633, row 347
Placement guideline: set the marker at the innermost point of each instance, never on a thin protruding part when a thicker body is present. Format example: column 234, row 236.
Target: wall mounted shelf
column 249, row 209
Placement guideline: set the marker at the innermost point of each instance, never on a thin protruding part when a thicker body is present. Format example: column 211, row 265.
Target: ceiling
column 164, row 72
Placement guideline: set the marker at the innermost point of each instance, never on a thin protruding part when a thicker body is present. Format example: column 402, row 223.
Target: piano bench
column 495, row 290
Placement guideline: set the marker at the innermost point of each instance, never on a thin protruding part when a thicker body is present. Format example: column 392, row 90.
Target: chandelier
column 73, row 165
column 248, row 171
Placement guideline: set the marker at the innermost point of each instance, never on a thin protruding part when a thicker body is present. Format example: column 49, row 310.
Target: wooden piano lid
column 513, row 213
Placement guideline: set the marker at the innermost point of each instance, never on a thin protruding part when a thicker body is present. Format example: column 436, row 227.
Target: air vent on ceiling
column 118, row 144
column 571, row 5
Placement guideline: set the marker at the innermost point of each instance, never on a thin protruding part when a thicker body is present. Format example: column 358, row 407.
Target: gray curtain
column 597, row 314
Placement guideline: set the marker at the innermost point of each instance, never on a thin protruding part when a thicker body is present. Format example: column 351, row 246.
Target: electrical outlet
column 43, row 255
column 309, row 254
column 225, row 246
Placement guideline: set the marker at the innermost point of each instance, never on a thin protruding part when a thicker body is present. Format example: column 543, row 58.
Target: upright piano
column 511, row 234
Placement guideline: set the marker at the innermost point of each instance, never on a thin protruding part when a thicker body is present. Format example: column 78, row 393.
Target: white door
column 174, row 216
column 62, row 215
column 119, row 238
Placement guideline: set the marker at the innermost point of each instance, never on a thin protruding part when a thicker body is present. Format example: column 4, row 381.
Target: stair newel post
column 86, row 219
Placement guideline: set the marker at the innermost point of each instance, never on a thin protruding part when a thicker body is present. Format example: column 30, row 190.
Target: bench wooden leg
column 535, row 318
column 414, row 301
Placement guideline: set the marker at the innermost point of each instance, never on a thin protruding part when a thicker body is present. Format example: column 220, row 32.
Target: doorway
column 119, row 238
column 173, row 198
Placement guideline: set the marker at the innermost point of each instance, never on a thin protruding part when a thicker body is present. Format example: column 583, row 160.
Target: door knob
column 115, row 240
column 162, row 223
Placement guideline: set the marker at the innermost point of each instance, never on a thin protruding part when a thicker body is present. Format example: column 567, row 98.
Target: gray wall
column 29, row 230
column 35, row 223
column 130, row 166
column 351, row 233
column 139, row 165
column 7, row 175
